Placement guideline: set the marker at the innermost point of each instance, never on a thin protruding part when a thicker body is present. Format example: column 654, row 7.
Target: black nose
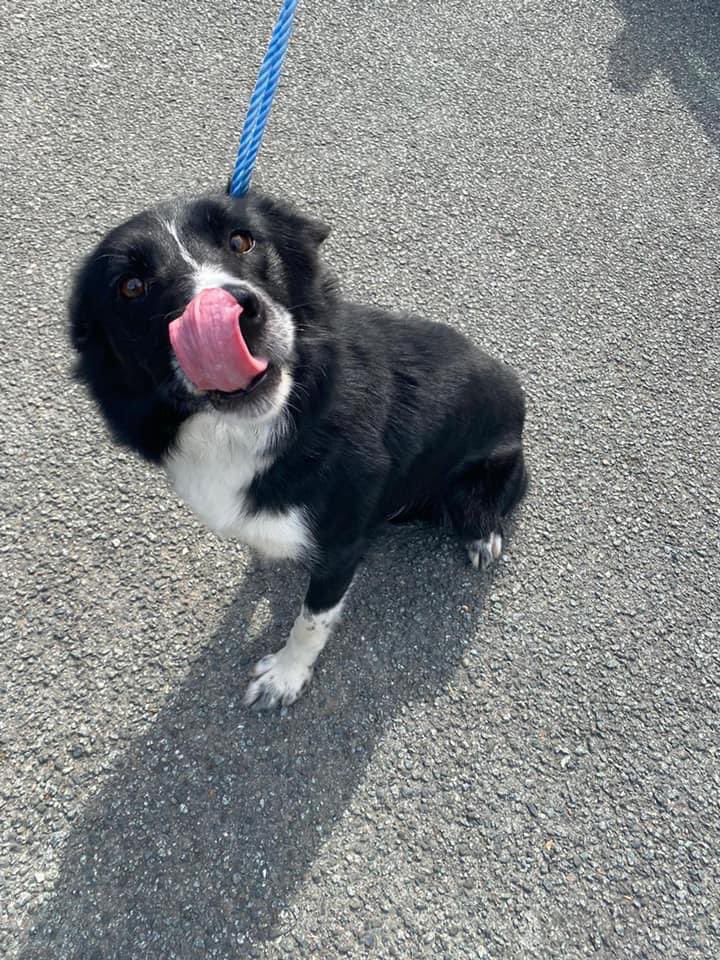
column 252, row 318
column 247, row 300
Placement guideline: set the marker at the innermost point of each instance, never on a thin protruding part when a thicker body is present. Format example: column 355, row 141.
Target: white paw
column 281, row 678
column 484, row 552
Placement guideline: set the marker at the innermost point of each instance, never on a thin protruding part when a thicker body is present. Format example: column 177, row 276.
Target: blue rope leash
column 261, row 100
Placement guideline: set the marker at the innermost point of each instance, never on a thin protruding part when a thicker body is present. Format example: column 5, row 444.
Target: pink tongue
column 209, row 346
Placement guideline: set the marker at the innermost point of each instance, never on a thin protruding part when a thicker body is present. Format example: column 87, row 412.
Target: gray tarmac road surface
column 515, row 765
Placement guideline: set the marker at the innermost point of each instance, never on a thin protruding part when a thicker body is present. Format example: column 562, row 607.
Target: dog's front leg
column 281, row 677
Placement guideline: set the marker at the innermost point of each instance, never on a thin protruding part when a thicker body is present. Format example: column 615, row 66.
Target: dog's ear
column 97, row 364
column 132, row 412
column 316, row 230
column 94, row 360
column 81, row 317
column 310, row 230
column 291, row 222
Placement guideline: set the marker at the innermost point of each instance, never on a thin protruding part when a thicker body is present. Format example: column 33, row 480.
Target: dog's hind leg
column 480, row 495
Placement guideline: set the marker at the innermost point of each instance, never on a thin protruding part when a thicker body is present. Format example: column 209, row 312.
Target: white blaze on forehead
column 205, row 275
column 171, row 228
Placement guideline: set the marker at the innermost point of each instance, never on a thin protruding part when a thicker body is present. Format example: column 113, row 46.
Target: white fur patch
column 205, row 275
column 483, row 553
column 184, row 252
column 280, row 679
column 310, row 633
column 214, row 461
column 282, row 676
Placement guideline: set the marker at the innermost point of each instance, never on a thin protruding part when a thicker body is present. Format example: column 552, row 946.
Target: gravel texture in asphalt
column 515, row 765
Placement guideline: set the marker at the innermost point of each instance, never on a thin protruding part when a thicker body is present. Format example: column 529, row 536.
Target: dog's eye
column 131, row 288
column 241, row 242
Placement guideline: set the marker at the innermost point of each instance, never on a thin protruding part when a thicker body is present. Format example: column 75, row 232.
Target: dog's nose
column 252, row 317
column 247, row 300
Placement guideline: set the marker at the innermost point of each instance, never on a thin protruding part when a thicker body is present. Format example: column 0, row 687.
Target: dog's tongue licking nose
column 209, row 345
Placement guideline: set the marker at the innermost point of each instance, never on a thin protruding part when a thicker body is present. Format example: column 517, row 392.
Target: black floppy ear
column 311, row 230
column 316, row 230
column 97, row 364
column 81, row 317
column 94, row 360
column 291, row 222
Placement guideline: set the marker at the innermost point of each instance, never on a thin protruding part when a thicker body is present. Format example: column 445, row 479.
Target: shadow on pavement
column 679, row 39
column 200, row 837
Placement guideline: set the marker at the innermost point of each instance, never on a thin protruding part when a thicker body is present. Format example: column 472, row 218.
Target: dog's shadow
column 679, row 40
column 202, row 834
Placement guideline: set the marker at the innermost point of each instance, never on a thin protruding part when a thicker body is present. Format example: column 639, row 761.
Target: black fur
column 391, row 415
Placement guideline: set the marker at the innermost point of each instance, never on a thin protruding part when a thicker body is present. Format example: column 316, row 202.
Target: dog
column 217, row 346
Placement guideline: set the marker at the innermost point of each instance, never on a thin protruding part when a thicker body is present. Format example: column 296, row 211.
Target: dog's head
column 143, row 275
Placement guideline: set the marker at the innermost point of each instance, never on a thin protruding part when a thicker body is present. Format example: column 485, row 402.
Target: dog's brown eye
column 241, row 242
column 132, row 287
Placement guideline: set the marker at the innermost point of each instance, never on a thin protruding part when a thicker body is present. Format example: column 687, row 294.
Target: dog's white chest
column 211, row 468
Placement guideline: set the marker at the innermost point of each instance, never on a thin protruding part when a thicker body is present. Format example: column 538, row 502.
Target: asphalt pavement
column 515, row 765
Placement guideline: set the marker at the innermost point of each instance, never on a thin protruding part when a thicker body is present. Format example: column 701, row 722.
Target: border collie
column 217, row 346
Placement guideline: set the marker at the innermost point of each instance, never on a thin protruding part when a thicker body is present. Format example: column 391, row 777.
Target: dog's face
column 145, row 272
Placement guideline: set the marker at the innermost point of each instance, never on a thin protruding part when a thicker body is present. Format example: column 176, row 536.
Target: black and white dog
column 217, row 346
